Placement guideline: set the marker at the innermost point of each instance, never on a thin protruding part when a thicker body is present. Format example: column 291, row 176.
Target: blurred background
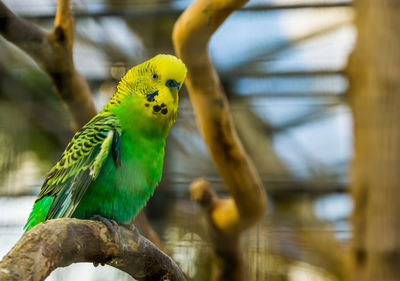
column 281, row 63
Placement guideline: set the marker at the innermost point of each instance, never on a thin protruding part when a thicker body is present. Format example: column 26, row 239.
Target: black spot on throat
column 164, row 111
column 156, row 108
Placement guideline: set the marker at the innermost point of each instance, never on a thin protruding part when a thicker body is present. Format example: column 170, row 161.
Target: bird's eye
column 154, row 76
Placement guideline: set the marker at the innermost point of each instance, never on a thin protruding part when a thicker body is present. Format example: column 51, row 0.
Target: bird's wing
column 81, row 163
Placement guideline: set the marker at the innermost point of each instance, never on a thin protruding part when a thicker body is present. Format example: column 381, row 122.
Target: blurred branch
column 316, row 237
column 227, row 217
column 40, row 112
column 265, row 54
column 222, row 217
column 331, row 254
column 53, row 53
column 137, row 11
column 374, row 69
column 191, row 34
column 61, row 242
column 300, row 5
column 265, row 73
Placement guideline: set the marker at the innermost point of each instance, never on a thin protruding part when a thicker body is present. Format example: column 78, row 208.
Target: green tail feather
column 39, row 212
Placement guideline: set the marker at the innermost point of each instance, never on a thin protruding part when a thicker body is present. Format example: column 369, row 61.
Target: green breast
column 119, row 194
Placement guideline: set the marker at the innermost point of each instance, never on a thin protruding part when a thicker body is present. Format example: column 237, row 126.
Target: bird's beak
column 172, row 84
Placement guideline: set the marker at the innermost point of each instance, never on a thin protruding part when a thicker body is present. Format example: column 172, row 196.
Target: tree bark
column 375, row 96
column 61, row 242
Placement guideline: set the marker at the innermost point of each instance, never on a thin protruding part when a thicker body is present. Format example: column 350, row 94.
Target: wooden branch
column 221, row 215
column 61, row 242
column 374, row 69
column 191, row 34
column 226, row 217
column 53, row 53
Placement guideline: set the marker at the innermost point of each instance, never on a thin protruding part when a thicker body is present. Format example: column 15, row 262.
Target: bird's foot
column 111, row 225
column 136, row 230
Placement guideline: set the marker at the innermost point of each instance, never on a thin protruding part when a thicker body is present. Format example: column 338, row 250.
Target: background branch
column 374, row 68
column 221, row 216
column 191, row 35
column 61, row 242
column 53, row 53
column 226, row 217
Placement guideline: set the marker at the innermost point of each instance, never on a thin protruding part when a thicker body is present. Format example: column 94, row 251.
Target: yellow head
column 155, row 85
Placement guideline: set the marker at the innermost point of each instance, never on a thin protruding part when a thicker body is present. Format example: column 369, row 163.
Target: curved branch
column 61, row 242
column 53, row 53
column 221, row 216
column 226, row 217
column 191, row 35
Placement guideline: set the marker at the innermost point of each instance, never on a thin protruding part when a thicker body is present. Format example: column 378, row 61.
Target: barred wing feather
column 81, row 163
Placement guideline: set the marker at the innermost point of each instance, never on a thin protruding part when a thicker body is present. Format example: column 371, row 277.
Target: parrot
column 112, row 165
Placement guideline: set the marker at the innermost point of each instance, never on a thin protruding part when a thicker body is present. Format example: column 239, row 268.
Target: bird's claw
column 136, row 230
column 96, row 264
column 111, row 225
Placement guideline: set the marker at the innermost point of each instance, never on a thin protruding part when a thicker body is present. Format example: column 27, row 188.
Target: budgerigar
column 113, row 164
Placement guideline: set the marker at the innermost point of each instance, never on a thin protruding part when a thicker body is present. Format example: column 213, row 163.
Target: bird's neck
column 115, row 101
column 133, row 117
